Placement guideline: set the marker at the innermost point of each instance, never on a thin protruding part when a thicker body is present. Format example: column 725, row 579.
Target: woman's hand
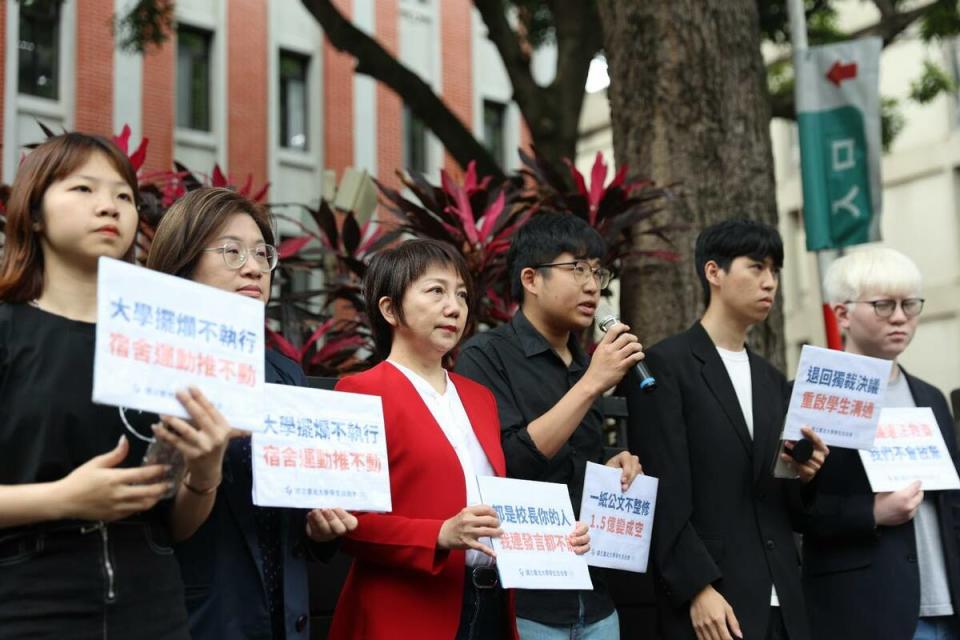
column 202, row 441
column 463, row 530
column 580, row 539
column 324, row 525
column 97, row 491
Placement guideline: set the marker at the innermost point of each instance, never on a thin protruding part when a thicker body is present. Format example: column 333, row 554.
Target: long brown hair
column 192, row 223
column 21, row 263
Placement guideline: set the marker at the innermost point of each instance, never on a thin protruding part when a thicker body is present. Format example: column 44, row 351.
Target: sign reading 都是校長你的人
column 838, row 118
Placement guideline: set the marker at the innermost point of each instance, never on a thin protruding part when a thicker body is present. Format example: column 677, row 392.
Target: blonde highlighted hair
column 872, row 270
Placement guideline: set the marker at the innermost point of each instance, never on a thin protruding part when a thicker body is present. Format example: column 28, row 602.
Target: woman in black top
column 84, row 536
column 244, row 570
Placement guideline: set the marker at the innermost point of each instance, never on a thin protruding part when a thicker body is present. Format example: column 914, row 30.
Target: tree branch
column 375, row 61
column 526, row 92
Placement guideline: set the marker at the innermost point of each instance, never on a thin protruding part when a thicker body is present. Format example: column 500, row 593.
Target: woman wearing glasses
column 244, row 570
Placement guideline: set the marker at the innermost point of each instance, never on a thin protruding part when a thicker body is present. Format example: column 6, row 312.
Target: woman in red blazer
column 425, row 570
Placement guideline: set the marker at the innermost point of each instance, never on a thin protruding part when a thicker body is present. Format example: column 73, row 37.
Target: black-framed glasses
column 885, row 308
column 582, row 270
column 235, row 255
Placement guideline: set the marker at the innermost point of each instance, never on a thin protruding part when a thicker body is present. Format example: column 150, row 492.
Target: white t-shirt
column 737, row 364
column 447, row 409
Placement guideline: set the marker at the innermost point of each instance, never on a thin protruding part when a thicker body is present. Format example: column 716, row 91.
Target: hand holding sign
column 893, row 508
column 464, row 530
column 203, row 442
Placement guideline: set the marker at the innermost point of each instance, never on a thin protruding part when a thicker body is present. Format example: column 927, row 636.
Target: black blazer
column 722, row 518
column 862, row 581
column 222, row 563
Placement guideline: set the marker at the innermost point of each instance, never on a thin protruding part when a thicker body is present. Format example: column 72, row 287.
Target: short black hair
column 391, row 273
column 544, row 237
column 725, row 241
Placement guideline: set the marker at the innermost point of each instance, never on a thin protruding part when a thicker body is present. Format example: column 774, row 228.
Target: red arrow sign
column 840, row 72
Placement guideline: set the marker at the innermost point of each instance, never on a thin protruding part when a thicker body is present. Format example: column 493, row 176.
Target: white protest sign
column 621, row 522
column 321, row 449
column 158, row 333
column 909, row 447
column 838, row 395
column 536, row 518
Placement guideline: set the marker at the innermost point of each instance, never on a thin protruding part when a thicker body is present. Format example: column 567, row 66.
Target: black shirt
column 48, row 424
column 528, row 378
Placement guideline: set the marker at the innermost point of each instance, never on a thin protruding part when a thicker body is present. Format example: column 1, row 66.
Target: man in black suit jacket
column 723, row 549
column 884, row 565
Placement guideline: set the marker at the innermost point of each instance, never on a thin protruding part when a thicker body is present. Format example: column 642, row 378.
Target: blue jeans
column 936, row 628
column 606, row 629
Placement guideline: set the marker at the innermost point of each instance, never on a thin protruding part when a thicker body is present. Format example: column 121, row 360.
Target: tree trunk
column 689, row 105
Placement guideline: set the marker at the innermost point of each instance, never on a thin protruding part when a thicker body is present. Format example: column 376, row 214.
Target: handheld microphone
column 647, row 381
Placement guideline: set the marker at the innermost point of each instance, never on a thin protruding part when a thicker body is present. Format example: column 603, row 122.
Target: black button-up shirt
column 528, row 378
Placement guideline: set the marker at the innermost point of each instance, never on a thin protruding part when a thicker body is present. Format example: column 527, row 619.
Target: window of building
column 414, row 142
column 494, row 118
column 39, row 48
column 194, row 48
column 294, row 102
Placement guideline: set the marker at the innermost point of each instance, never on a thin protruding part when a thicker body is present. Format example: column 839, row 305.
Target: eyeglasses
column 885, row 308
column 235, row 255
column 581, row 271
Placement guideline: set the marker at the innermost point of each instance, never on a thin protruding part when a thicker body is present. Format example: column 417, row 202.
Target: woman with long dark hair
column 85, row 539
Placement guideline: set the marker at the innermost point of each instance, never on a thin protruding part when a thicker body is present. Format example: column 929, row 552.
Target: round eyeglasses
column 235, row 255
column 581, row 271
column 885, row 308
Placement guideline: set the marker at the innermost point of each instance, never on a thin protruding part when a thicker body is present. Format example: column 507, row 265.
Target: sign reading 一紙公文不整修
column 534, row 551
column 838, row 120
column 839, row 395
column 321, row 449
column 158, row 333
column 909, row 447
column 621, row 522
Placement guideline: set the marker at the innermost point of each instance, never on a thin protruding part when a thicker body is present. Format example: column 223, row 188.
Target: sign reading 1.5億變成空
column 321, row 449
column 621, row 522
column 839, row 395
column 157, row 334
column 537, row 519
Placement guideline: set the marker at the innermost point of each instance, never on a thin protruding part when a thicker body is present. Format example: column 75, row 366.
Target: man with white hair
column 882, row 565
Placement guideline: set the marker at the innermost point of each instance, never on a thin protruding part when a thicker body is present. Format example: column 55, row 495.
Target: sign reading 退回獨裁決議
column 839, row 395
column 909, row 447
column 157, row 334
column 537, row 519
column 621, row 522
column 321, row 449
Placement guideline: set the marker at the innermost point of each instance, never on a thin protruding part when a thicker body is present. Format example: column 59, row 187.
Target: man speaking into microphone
column 548, row 394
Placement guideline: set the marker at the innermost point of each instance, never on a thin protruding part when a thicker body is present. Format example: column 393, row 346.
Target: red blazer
column 401, row 585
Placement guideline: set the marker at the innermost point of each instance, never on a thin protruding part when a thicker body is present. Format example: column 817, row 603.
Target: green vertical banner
column 838, row 116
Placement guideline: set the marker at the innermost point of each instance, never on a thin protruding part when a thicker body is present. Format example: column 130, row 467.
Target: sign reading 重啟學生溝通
column 621, row 522
column 536, row 519
column 839, row 395
column 158, row 333
column 321, row 449
column 909, row 447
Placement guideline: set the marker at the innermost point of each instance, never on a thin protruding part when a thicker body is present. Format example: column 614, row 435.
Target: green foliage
column 537, row 20
column 891, row 121
column 148, row 23
column 942, row 21
column 775, row 22
column 931, row 83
